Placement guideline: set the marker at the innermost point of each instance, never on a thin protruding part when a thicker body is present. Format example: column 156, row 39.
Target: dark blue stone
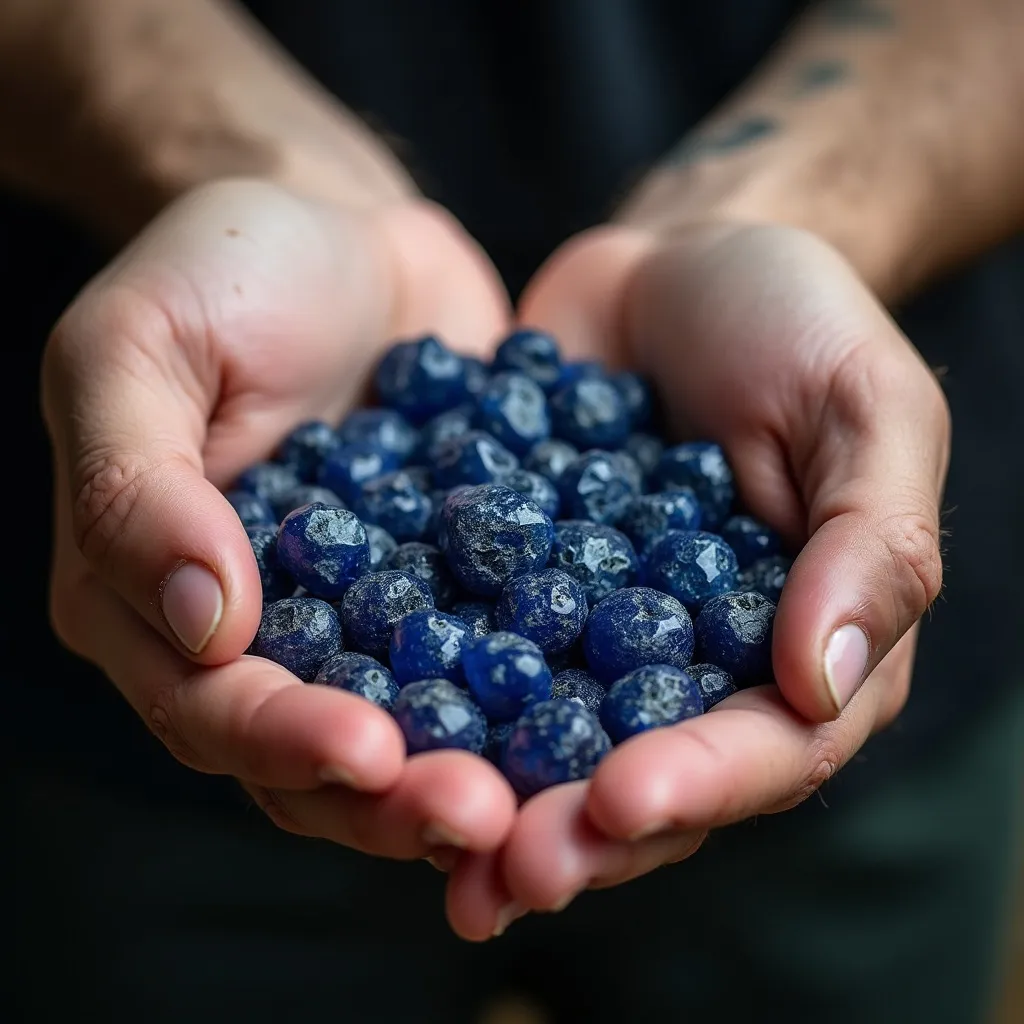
column 505, row 673
column 539, row 489
column 373, row 606
column 472, row 458
column 647, row 450
column 275, row 580
column 478, row 615
column 349, row 467
column 362, row 675
column 421, row 476
column 597, row 486
column 252, row 509
column 715, row 683
column 631, row 470
column 554, row 741
column 394, row 502
column 384, row 429
column 421, row 378
column 299, row 633
column 324, row 548
column 268, row 480
column 512, row 408
column 701, row 466
column 532, row 353
column 634, row 627
column 550, row 458
column 547, row 607
column 443, row 427
column 648, row 517
column 428, row 645
column 691, row 565
column 750, row 539
column 580, row 686
column 767, row 576
column 381, row 544
column 494, row 745
column 589, row 413
column 434, row 714
column 734, row 631
column 305, row 448
column 477, row 374
column 305, row 494
column 426, row 563
column 580, row 370
column 637, row 397
column 650, row 697
column 600, row 558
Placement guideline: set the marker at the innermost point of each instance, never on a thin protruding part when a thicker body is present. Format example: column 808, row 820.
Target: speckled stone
column 421, row 378
column 349, row 467
column 478, row 615
column 539, row 489
column 426, row 563
column 305, row 494
column 274, row 579
column 512, row 408
column 324, row 548
column 647, row 450
column 373, row 605
column 589, row 413
column 362, row 675
column 548, row 607
column 554, row 741
column 472, row 458
column 637, row 397
column 715, row 683
column 734, row 631
column 580, row 369
column 650, row 697
column 596, row 486
column 251, row 509
column 750, row 539
column 634, row 627
column 434, row 714
column 766, row 576
column 394, row 502
column 532, row 353
column 299, row 633
column 443, row 427
column 490, row 534
column 505, row 673
column 600, row 558
column 550, row 458
column 381, row 544
column 477, row 374
column 497, row 737
column 580, row 686
column 305, row 448
column 268, row 480
column 691, row 565
column 428, row 645
column 701, row 466
column 648, row 517
column 384, row 429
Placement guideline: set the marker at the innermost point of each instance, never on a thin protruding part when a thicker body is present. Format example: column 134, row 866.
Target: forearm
column 110, row 108
column 890, row 127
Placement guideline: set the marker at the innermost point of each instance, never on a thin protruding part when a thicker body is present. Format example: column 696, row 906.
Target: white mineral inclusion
column 328, row 569
column 363, row 465
column 706, row 561
column 597, row 475
column 527, row 517
column 711, row 460
column 669, row 625
column 595, row 551
column 528, row 664
column 453, row 717
column 439, row 361
column 562, row 602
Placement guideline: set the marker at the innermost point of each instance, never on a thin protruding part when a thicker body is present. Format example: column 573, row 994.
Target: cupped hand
column 238, row 313
column 764, row 339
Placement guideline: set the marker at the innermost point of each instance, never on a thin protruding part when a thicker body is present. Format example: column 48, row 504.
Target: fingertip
column 633, row 790
column 476, row 899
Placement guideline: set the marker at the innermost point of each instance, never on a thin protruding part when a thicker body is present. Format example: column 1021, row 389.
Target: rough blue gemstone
column 324, row 548
column 384, row 429
column 299, row 633
column 381, row 544
column 581, row 369
column 478, row 615
column 750, row 539
column 589, row 413
column 428, row 645
column 426, row 563
column 305, row 448
column 362, row 675
column 252, row 509
column 634, row 627
column 304, row 494
column 650, row 697
column 505, row 673
column 596, row 486
column 497, row 737
column 349, row 467
column 477, row 374
column 539, row 489
column 373, row 606
column 512, row 408
column 274, row 579
column 472, row 458
column 268, row 480
column 421, row 378
column 631, row 470
column 702, row 467
column 547, row 607
column 767, row 576
column 550, row 458
column 648, row 517
column 734, row 631
column 637, row 397
column 532, row 353
column 554, row 741
column 443, row 427
column 600, row 558
column 490, row 534
column 715, row 683
column 580, row 686
column 394, row 502
column 434, row 714
column 647, row 450
column 691, row 565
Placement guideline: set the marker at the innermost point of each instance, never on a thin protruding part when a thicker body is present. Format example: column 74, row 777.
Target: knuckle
column 161, row 718
column 912, row 541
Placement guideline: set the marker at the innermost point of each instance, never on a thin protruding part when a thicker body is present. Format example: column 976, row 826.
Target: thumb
column 872, row 483
column 127, row 413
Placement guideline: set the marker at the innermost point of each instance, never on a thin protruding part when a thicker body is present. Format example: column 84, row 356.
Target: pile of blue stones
column 510, row 560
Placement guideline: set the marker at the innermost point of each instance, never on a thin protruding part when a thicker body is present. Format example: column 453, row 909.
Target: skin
column 748, row 274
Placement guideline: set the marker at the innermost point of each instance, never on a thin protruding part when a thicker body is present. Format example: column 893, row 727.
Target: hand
column 241, row 311
column 764, row 339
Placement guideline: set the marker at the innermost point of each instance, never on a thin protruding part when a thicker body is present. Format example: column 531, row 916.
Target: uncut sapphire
column 299, row 634
column 434, row 714
column 373, row 606
column 650, row 697
column 600, row 558
column 324, row 548
column 547, row 607
column 359, row 674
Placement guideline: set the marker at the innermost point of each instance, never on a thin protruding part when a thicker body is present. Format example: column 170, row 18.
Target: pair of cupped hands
column 244, row 309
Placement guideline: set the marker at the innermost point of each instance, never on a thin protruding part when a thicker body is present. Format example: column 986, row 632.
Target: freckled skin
column 701, row 466
column 750, row 539
column 305, row 447
column 532, row 353
column 426, row 563
column 597, row 486
column 550, row 458
column 715, row 683
column 427, row 644
column 600, row 558
column 472, row 458
column 767, row 576
column 421, row 378
column 373, row 605
column 734, row 631
column 394, row 502
column 298, row 633
column 505, row 673
column 548, row 607
column 277, row 583
column 589, row 413
column 649, row 516
column 362, row 675
column 434, row 714
column 324, row 548
column 512, row 408
column 582, row 687
column 691, row 565
column 385, row 429
column 650, row 697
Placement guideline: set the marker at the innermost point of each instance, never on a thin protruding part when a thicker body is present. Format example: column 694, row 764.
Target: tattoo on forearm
column 722, row 140
column 858, row 14
column 818, row 75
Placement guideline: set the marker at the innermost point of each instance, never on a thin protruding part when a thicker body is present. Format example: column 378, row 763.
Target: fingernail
column 649, row 830
column 193, row 603
column 436, row 834
column 333, row 773
column 562, row 903
column 846, row 660
column 509, row 913
column 443, row 860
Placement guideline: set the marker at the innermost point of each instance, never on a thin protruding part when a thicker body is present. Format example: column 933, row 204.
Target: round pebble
column 324, row 548
column 589, row 413
column 539, row 489
column 428, row 645
column 512, row 409
column 443, row 427
column 274, row 579
column 691, row 565
column 251, row 509
column 373, row 606
column 580, row 686
column 298, row 633
column 472, row 458
column 596, row 486
column 750, row 539
column 381, row 544
column 550, row 458
column 505, row 673
column 547, row 607
column 637, row 397
column 349, row 467
column 426, row 563
column 305, row 448
column 268, row 480
column 532, row 353
column 478, row 615
column 600, row 558
column 304, row 494
column 766, row 576
column 715, row 683
column 394, row 502
column 648, row 517
column 734, row 631
column 362, row 675
column 650, row 697
column 384, row 429
column 434, row 714
column 702, row 467
column 421, row 378
column 647, row 450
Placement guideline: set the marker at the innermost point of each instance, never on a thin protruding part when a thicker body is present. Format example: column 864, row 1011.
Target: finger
column 477, row 903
